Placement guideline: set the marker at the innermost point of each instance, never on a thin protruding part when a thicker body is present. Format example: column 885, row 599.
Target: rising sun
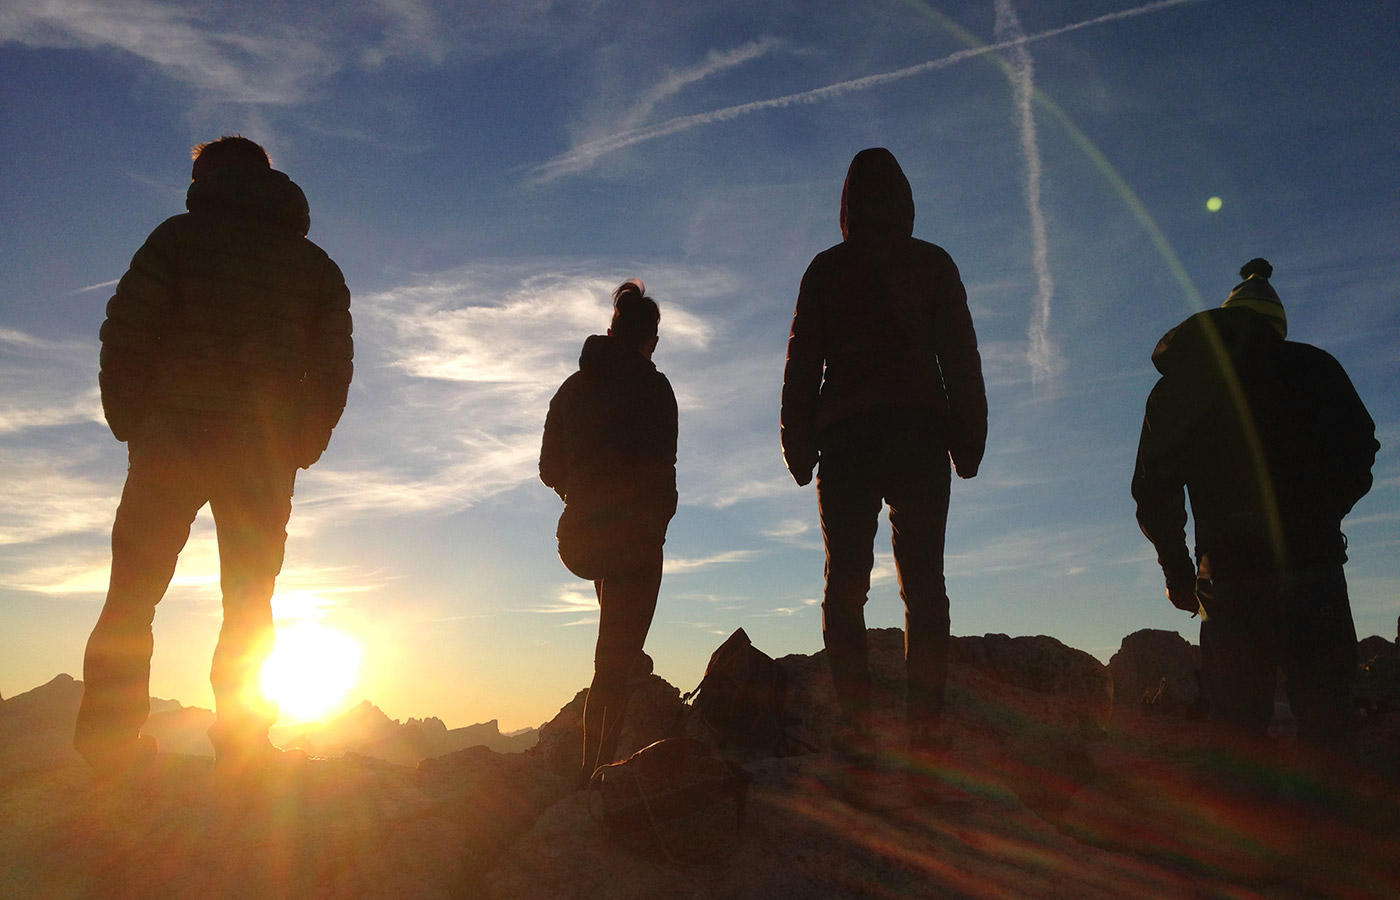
column 311, row 671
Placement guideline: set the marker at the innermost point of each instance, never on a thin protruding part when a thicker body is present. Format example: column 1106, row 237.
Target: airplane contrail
column 1041, row 353
column 583, row 156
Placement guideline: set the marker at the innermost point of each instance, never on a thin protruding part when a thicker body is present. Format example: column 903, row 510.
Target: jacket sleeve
column 554, row 462
column 669, row 430
column 131, row 333
column 329, row 365
column 802, row 382
column 960, row 364
column 1159, row 489
column 1353, row 435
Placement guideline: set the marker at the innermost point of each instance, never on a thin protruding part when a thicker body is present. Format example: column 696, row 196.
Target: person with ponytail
column 609, row 452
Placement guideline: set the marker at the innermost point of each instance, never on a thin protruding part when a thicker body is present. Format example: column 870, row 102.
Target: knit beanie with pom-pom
column 1257, row 294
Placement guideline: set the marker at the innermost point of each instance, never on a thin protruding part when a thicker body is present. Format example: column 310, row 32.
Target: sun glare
column 311, row 671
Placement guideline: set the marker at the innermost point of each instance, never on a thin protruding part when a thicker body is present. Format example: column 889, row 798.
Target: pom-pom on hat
column 1257, row 294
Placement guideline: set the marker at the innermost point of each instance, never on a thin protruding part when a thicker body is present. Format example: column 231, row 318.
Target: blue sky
column 485, row 173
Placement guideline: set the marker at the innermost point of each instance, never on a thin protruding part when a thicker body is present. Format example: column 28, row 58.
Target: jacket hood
column 604, row 353
column 876, row 199
column 264, row 194
column 1233, row 332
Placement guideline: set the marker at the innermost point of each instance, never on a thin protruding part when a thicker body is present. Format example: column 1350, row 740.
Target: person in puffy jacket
column 226, row 359
column 609, row 452
column 1271, row 443
column 883, row 384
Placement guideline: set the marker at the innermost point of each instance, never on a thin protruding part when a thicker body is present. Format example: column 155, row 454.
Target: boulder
column 1155, row 671
column 654, row 711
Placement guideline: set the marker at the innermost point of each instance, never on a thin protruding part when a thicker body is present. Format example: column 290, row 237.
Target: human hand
column 1184, row 600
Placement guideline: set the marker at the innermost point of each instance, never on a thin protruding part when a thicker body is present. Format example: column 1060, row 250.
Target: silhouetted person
column 1273, row 446
column 883, row 384
column 226, row 358
column 609, row 452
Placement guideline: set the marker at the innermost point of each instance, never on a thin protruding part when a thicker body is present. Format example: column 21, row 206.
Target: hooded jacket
column 229, row 322
column 1269, row 439
column 881, row 323
column 609, row 448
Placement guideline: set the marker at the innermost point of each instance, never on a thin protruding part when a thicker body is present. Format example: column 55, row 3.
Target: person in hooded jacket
column 225, row 363
column 609, row 452
column 883, row 384
column 1273, row 446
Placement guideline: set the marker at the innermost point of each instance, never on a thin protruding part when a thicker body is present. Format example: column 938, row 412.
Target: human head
column 876, row 200
column 229, row 150
column 635, row 316
column 1257, row 294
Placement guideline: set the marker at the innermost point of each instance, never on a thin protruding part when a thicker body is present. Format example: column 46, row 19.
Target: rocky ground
column 1054, row 785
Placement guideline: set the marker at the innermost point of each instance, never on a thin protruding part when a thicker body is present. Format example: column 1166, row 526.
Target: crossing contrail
column 583, row 156
column 1021, row 71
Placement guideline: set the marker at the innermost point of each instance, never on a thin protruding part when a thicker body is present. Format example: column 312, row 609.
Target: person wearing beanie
column 1257, row 294
column 226, row 358
column 1273, row 447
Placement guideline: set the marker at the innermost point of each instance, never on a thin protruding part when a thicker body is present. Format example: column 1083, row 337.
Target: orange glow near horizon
column 311, row 671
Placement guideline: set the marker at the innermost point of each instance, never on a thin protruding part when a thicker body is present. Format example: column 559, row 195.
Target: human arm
column 329, row 367
column 802, row 380
column 131, row 333
column 1160, row 493
column 1352, row 434
column 554, row 463
column 960, row 365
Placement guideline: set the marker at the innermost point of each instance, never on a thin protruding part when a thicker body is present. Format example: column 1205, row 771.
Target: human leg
column 849, row 505
column 251, row 507
column 918, row 500
column 1239, row 661
column 626, row 604
column 1319, row 656
column 159, row 501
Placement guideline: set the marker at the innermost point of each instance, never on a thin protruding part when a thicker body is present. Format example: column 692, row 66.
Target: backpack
column 743, row 698
column 674, row 799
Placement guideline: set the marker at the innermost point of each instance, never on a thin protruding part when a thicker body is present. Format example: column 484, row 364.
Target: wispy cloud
column 240, row 53
column 789, row 530
column 673, row 566
column 1022, row 75
column 254, row 63
column 461, row 366
column 570, row 601
column 716, row 61
column 582, row 157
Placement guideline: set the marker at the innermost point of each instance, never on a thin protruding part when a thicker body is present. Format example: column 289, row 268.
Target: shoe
column 118, row 762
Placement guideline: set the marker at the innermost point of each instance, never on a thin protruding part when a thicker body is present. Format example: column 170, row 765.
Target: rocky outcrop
column 1155, row 671
column 1037, row 794
column 36, row 727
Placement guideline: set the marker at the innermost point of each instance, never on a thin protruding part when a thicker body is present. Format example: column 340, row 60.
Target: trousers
column 899, row 459
column 626, row 603
column 1299, row 622
column 249, row 492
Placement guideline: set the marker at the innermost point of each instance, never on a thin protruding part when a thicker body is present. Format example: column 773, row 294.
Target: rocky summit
column 1057, row 777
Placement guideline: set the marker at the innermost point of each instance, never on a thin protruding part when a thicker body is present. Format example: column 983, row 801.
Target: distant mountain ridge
column 36, row 731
